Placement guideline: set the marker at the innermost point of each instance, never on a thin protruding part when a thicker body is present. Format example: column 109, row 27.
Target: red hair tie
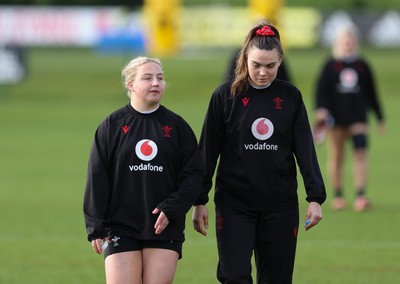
column 265, row 31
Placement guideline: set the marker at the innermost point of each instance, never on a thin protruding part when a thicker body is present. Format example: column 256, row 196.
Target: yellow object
column 271, row 11
column 162, row 26
column 265, row 9
column 300, row 25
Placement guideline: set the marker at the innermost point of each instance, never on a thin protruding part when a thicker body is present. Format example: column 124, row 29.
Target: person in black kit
column 144, row 174
column 345, row 91
column 283, row 72
column 258, row 127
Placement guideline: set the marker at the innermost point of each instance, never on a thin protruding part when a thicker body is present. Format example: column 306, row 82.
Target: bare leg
column 360, row 168
column 124, row 267
column 336, row 153
column 159, row 265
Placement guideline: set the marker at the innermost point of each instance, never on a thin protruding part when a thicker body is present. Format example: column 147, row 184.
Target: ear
column 280, row 60
column 130, row 86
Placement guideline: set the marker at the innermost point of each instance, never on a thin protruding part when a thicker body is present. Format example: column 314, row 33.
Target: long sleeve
column 211, row 140
column 139, row 162
column 190, row 177
column 324, row 88
column 306, row 156
column 371, row 94
column 97, row 188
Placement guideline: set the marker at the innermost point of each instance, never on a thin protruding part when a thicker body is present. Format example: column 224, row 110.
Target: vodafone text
column 261, row 146
column 146, row 167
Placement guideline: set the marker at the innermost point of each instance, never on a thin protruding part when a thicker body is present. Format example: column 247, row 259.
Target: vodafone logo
column 262, row 128
column 146, row 150
column 348, row 78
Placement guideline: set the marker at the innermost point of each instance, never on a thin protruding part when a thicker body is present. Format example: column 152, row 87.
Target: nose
column 155, row 82
column 263, row 71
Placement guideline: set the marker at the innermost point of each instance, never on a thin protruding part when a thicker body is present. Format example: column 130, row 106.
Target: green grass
column 46, row 127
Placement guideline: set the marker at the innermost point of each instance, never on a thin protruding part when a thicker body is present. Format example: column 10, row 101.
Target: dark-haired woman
column 257, row 126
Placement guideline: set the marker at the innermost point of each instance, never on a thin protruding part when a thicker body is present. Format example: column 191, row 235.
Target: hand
column 381, row 127
column 314, row 214
column 321, row 115
column 200, row 219
column 161, row 223
column 96, row 245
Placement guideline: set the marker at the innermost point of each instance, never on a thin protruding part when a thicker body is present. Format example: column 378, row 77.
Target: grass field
column 46, row 127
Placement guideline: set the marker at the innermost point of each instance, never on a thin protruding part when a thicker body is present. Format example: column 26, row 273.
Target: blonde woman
column 344, row 94
column 143, row 176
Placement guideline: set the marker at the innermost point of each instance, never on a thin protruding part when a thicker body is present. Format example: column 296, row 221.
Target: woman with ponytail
column 257, row 127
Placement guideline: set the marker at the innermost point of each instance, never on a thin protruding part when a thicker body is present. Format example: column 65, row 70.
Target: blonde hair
column 129, row 71
column 347, row 30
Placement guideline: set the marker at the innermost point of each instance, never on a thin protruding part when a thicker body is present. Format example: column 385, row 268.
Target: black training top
column 258, row 135
column 139, row 162
column 347, row 90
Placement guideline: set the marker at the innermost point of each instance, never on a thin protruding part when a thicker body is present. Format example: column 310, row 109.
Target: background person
column 143, row 176
column 344, row 93
column 258, row 128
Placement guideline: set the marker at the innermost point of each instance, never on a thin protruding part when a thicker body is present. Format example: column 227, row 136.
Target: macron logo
column 125, row 128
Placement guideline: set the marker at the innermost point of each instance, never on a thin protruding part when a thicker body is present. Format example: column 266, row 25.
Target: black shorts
column 123, row 244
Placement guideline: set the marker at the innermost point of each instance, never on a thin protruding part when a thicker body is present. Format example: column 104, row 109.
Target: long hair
column 253, row 38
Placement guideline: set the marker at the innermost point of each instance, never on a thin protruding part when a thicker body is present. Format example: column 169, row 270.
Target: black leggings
column 271, row 234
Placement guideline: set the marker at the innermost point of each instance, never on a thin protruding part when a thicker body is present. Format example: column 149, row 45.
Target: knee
column 359, row 141
column 227, row 275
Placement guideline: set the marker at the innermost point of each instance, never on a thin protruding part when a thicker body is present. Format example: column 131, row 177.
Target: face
column 148, row 86
column 263, row 66
column 347, row 43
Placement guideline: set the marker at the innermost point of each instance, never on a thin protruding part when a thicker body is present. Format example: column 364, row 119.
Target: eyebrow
column 151, row 74
column 274, row 62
